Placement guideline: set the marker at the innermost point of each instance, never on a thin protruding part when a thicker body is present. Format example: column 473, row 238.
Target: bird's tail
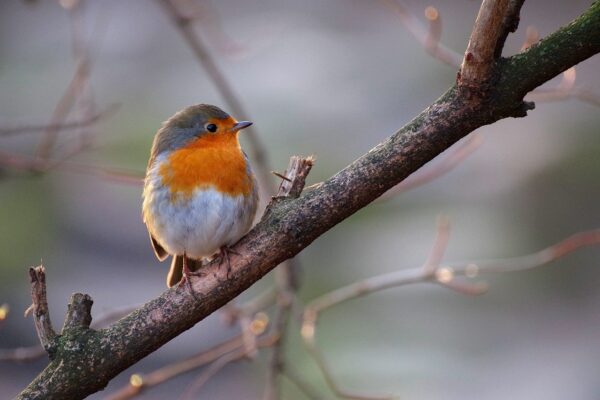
column 176, row 271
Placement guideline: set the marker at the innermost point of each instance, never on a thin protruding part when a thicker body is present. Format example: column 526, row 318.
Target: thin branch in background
column 432, row 271
column 428, row 37
column 565, row 90
column 76, row 86
column 205, row 14
column 85, row 100
column 80, row 123
column 138, row 383
column 456, row 155
column 28, row 164
column 276, row 361
column 78, row 93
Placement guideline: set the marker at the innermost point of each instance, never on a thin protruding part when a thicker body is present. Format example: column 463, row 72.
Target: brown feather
column 160, row 253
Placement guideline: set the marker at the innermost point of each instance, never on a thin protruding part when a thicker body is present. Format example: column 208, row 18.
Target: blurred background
column 326, row 78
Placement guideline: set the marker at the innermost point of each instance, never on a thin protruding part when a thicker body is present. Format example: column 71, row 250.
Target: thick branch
column 554, row 54
column 291, row 224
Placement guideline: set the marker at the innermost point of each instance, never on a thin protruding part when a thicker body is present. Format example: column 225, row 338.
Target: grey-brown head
column 192, row 123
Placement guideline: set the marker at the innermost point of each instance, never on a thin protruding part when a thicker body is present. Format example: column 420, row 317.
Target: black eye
column 211, row 127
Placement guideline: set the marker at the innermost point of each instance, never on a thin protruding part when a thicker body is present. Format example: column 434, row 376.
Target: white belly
column 199, row 225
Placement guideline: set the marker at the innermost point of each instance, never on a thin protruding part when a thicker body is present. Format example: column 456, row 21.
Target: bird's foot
column 187, row 274
column 224, row 255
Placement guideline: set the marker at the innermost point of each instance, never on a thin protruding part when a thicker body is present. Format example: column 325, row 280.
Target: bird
column 200, row 194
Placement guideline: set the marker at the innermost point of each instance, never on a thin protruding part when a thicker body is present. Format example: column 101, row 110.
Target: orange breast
column 212, row 161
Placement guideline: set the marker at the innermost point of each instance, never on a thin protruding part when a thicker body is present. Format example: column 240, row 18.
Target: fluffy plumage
column 199, row 193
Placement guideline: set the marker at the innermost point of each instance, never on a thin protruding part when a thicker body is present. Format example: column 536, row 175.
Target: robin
column 200, row 194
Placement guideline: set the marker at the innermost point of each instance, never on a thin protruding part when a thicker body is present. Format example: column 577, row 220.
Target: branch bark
column 39, row 309
column 291, row 224
column 478, row 62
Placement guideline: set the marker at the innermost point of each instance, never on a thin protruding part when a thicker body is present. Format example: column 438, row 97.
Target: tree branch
column 39, row 308
column 78, row 313
column 291, row 224
column 487, row 32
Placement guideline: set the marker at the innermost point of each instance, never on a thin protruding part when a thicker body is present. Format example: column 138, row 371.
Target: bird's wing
column 161, row 253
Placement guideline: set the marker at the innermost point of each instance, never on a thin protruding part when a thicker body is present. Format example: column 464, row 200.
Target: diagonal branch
column 291, row 224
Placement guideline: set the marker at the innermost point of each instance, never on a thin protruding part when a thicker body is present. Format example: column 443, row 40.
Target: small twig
column 282, row 176
column 442, row 275
column 79, row 312
column 295, row 176
column 488, row 31
column 39, row 308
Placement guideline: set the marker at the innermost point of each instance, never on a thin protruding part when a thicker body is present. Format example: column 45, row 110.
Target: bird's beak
column 241, row 125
